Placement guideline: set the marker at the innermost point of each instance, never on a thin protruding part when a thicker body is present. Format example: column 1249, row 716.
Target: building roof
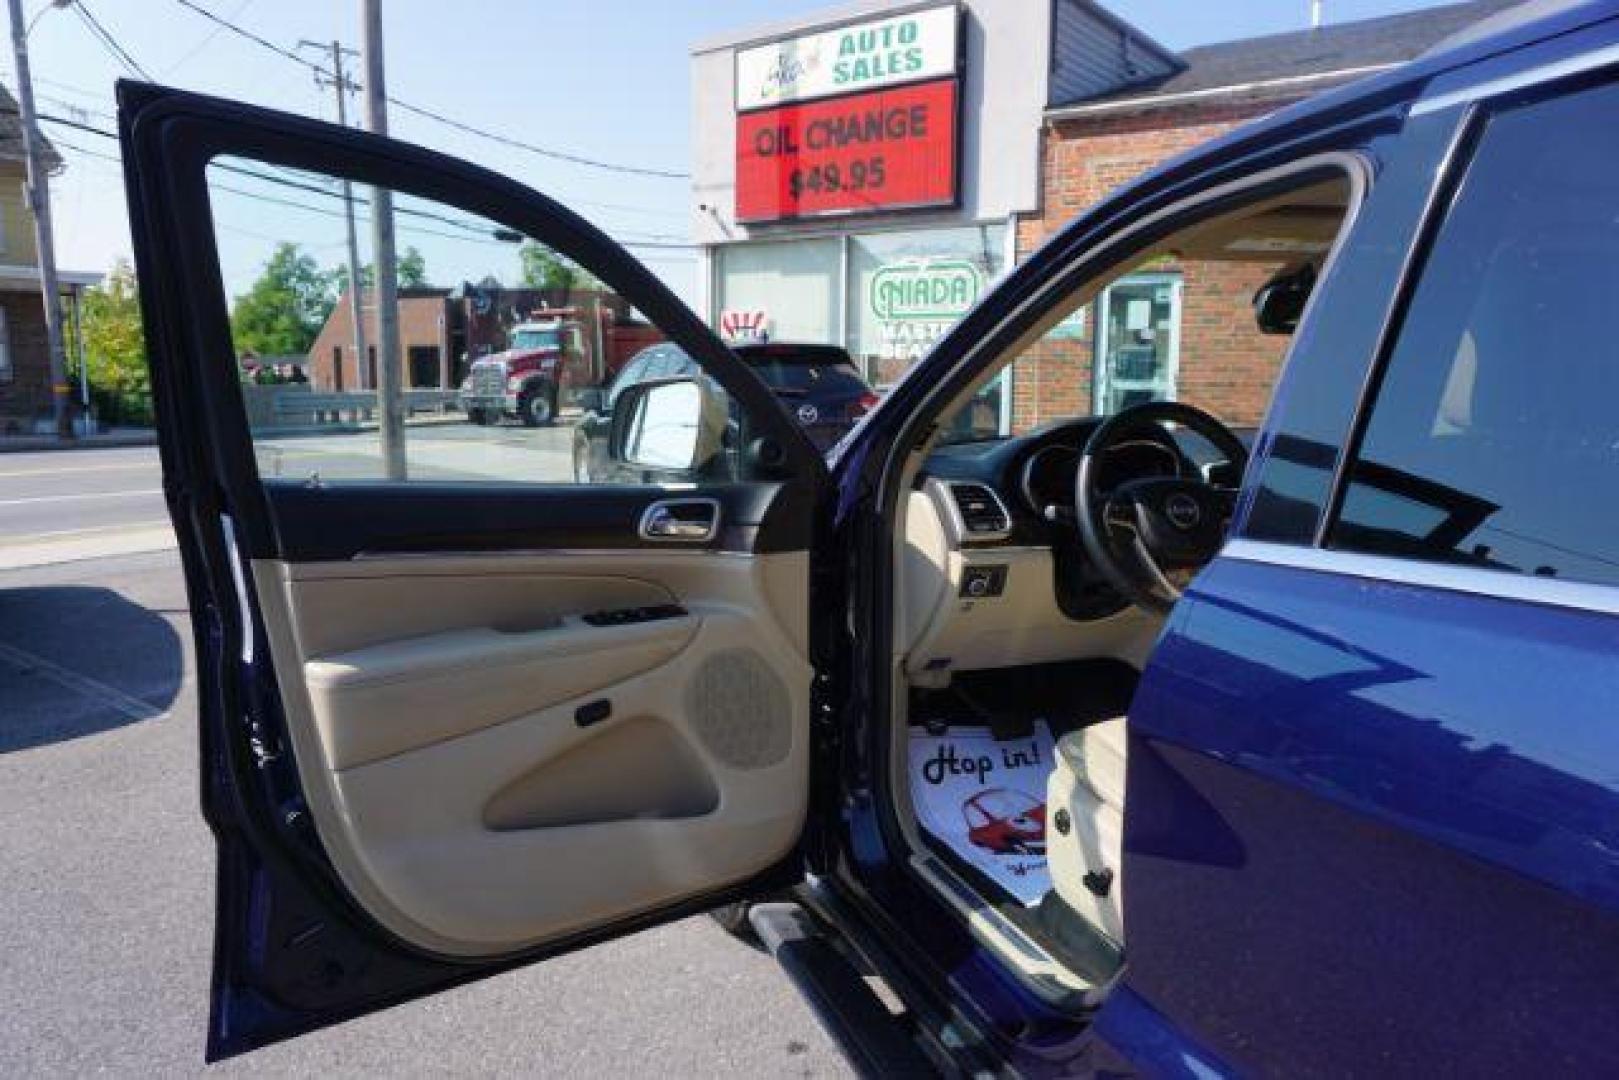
column 11, row 134
column 1279, row 66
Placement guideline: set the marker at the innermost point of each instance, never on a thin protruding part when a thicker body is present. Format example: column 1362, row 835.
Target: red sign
column 879, row 150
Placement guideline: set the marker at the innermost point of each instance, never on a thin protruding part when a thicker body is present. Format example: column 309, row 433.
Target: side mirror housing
column 591, row 399
column 1279, row 303
column 668, row 425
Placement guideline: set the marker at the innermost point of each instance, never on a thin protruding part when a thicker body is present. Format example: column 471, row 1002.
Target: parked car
column 818, row 383
column 1337, row 753
column 592, row 461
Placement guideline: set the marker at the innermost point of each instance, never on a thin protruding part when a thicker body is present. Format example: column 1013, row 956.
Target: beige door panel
column 363, row 607
column 401, row 695
column 463, row 804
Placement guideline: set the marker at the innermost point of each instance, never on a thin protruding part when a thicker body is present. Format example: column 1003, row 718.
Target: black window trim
column 196, row 129
column 1441, row 199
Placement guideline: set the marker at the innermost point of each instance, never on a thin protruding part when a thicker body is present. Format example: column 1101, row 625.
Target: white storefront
column 857, row 176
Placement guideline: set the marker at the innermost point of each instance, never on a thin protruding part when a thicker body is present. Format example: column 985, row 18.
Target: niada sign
column 932, row 289
column 900, row 49
column 916, row 302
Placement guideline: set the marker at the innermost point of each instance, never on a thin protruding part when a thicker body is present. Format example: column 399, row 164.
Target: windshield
column 536, row 339
column 798, row 379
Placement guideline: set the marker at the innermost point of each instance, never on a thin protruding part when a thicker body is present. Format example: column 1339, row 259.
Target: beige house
column 25, row 381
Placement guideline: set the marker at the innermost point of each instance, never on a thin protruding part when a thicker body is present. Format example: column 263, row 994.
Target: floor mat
column 985, row 800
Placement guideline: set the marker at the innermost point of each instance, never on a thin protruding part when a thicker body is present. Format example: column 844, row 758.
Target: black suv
column 819, row 384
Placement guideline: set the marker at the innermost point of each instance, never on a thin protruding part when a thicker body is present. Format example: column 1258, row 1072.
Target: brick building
column 1093, row 142
column 1033, row 147
column 423, row 342
column 440, row 331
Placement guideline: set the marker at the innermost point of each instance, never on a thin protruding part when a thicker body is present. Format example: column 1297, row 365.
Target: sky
column 608, row 80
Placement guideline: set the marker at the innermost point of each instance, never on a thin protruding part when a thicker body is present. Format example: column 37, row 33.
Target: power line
column 226, row 24
column 438, row 117
column 474, row 230
column 199, row 46
column 109, row 42
column 518, row 144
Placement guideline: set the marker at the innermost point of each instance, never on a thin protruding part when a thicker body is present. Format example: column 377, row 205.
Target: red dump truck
column 550, row 356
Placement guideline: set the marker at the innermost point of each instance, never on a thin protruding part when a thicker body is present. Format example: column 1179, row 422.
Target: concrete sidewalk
column 72, row 545
column 115, row 437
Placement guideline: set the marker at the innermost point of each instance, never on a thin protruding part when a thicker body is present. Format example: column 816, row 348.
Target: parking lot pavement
column 106, row 877
column 450, row 449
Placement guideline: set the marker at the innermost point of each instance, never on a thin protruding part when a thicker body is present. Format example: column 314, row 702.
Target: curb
column 13, row 444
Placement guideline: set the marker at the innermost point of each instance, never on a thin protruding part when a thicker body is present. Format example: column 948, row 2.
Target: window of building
column 423, row 361
column 337, row 367
column 7, row 372
column 907, row 289
column 1494, row 440
column 790, row 287
column 1138, row 330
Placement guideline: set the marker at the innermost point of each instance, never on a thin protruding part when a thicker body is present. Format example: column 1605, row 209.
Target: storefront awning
column 16, row 278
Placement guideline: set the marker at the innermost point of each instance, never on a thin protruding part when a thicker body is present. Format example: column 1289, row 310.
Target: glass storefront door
column 1138, row 322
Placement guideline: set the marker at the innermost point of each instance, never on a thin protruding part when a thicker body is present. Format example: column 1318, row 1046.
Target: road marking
column 72, row 498
column 93, row 530
column 132, row 707
column 9, row 473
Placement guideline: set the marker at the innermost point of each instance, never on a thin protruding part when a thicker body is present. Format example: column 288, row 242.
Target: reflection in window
column 506, row 346
column 1495, row 438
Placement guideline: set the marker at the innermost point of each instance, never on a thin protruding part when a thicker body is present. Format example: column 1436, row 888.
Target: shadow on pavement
column 80, row 660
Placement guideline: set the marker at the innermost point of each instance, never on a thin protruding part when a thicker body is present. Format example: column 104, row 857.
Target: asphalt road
column 79, row 493
column 106, row 870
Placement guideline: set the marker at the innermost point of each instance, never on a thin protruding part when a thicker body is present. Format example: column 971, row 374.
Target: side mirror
column 591, row 399
column 672, row 425
column 1280, row 301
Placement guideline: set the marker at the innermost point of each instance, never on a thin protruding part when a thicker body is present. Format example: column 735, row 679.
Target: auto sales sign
column 858, row 118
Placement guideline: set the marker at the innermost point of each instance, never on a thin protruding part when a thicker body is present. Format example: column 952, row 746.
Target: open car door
column 458, row 709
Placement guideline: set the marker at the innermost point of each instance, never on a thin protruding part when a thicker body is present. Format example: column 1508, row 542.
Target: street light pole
column 390, row 413
column 343, row 85
column 39, row 200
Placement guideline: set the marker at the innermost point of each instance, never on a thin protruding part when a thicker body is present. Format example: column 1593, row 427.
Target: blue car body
column 1372, row 822
column 1374, row 810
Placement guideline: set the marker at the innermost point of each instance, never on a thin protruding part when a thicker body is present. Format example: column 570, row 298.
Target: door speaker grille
column 741, row 710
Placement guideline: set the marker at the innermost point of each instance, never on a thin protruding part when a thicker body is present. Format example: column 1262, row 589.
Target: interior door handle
column 681, row 519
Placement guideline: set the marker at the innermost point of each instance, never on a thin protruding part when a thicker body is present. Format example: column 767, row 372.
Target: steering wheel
column 1146, row 532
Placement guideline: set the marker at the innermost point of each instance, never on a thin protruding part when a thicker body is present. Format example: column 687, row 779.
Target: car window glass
column 498, row 334
column 1494, row 440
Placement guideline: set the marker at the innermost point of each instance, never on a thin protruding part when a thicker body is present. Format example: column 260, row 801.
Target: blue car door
column 460, row 707
column 1374, row 783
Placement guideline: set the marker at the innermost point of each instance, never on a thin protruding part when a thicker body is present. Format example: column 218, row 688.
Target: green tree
column 543, row 268
column 410, row 271
column 283, row 311
column 114, row 349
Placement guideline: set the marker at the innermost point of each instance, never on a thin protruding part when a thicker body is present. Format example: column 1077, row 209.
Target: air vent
column 983, row 516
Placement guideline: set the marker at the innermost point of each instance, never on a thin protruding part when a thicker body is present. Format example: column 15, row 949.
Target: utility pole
column 343, row 85
column 390, row 411
column 39, row 200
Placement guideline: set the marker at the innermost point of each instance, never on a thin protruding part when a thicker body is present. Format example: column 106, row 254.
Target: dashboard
column 1046, row 478
column 994, row 573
